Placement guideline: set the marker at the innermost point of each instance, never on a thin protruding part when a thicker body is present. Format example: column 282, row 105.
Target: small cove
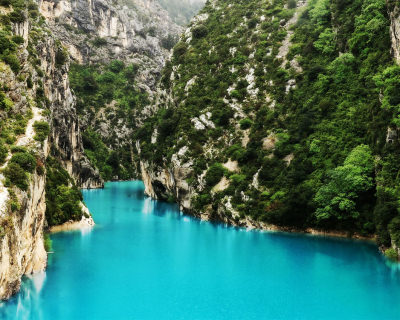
column 145, row 260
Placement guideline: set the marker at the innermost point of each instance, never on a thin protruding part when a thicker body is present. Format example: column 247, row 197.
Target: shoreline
column 83, row 224
column 249, row 224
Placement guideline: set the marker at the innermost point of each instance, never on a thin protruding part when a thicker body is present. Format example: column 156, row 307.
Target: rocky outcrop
column 22, row 248
column 47, row 99
column 168, row 184
column 394, row 15
column 98, row 31
column 22, row 214
column 65, row 133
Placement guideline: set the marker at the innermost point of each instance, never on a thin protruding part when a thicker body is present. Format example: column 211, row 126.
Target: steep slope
column 281, row 113
column 394, row 14
column 120, row 49
column 38, row 120
column 99, row 31
column 182, row 11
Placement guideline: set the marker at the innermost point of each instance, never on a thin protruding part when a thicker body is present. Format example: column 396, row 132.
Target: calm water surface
column 144, row 260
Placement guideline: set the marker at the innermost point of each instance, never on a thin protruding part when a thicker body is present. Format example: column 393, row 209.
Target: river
column 145, row 260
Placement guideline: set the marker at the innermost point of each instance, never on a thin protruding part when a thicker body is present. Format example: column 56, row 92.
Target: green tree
column 338, row 196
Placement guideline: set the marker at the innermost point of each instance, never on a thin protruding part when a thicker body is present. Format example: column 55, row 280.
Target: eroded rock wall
column 22, row 213
column 394, row 15
column 98, row 31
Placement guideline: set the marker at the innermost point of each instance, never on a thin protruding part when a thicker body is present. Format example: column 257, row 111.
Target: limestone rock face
column 21, row 239
column 163, row 183
column 98, row 31
column 22, row 248
column 22, row 213
column 394, row 15
column 65, row 133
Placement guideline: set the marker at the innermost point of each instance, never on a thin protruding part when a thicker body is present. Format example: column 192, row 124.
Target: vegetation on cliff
column 108, row 96
column 63, row 198
column 22, row 89
column 305, row 97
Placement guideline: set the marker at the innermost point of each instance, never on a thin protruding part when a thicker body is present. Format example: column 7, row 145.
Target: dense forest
column 304, row 97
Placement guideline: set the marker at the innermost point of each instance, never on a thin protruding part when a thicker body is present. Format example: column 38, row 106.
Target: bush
column 292, row 4
column 5, row 103
column 116, row 66
column 42, row 130
column 5, row 43
column 214, row 174
column 61, row 56
column 245, row 124
column 62, row 196
column 98, row 42
column 47, row 242
column 15, row 149
column 168, row 42
column 17, row 16
column 16, row 176
column 391, row 254
column 394, row 229
column 13, row 62
column 199, row 31
column 25, row 160
column 180, row 50
column 18, row 39
column 3, row 152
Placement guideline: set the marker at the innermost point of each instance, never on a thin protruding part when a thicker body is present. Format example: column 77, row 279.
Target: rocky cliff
column 138, row 33
column 98, row 31
column 248, row 127
column 38, row 118
column 394, row 14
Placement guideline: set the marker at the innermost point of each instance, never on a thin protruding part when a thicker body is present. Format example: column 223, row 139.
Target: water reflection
column 27, row 304
column 145, row 260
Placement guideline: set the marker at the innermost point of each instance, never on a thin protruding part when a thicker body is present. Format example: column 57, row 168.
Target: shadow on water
column 344, row 251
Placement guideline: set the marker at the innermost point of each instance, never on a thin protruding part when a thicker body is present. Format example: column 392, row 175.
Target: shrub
column 17, row 16
column 199, row 31
column 5, row 103
column 116, row 66
column 180, row 50
column 98, row 42
column 292, row 4
column 15, row 149
column 18, row 39
column 3, row 152
column 62, row 196
column 391, row 254
column 168, row 42
column 214, row 174
column 47, row 242
column 16, row 176
column 5, row 43
column 61, row 56
column 29, row 82
column 42, row 130
column 12, row 60
column 25, row 160
column 245, row 124
column 394, row 229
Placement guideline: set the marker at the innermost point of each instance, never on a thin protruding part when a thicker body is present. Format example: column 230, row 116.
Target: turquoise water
column 144, row 260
